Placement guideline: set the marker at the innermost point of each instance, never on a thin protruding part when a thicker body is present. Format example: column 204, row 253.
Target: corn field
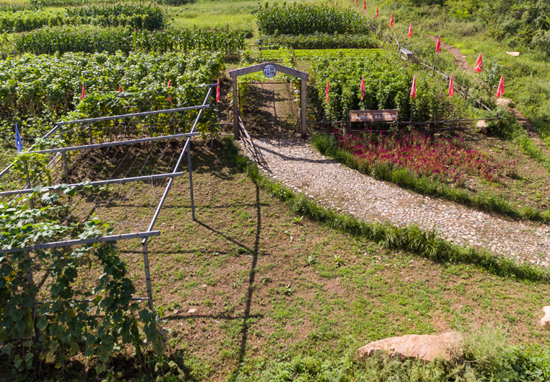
column 110, row 40
column 308, row 19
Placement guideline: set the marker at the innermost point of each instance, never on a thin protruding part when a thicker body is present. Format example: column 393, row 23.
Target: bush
column 21, row 21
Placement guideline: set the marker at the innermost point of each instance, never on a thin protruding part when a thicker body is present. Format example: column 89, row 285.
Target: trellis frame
column 150, row 230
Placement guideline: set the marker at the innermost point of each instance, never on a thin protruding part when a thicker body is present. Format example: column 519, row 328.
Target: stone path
column 298, row 165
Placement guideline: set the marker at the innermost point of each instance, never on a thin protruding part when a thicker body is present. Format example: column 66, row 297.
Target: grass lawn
column 268, row 285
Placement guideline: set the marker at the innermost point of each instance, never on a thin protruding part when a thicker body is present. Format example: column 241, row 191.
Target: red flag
column 479, row 64
column 413, row 88
column 327, row 89
column 362, row 88
column 83, row 94
column 451, row 86
column 438, row 45
column 170, row 84
column 355, row 2
column 376, row 11
column 391, row 21
column 364, row 5
column 500, row 90
column 119, row 89
column 410, row 30
column 218, row 92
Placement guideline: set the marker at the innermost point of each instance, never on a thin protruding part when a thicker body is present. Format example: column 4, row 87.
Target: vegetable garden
column 101, row 103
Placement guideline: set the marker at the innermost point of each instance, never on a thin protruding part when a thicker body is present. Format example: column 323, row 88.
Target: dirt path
column 460, row 59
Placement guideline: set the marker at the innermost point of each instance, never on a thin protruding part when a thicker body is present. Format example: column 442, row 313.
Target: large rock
column 545, row 321
column 503, row 102
column 446, row 346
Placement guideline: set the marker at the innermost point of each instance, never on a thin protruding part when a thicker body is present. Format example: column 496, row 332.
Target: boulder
column 504, row 102
column 481, row 124
column 446, row 346
column 545, row 321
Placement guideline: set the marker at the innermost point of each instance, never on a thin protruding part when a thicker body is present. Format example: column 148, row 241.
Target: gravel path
column 298, row 165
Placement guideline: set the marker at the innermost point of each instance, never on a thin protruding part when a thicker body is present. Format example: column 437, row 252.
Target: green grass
column 411, row 238
column 278, row 290
column 215, row 14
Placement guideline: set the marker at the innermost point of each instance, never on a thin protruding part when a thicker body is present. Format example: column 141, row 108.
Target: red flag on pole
column 170, row 84
column 500, row 90
column 218, row 91
column 413, row 88
column 364, row 5
column 376, row 11
column 451, row 86
column 479, row 64
column 391, row 21
column 328, row 88
column 410, row 30
column 83, row 94
column 362, row 88
column 438, row 45
column 119, row 88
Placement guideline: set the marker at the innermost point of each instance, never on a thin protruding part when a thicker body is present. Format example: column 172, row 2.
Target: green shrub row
column 93, row 39
column 22, row 21
column 137, row 15
column 327, row 145
column 69, row 3
column 318, row 41
column 410, row 238
column 18, row 8
column 307, row 19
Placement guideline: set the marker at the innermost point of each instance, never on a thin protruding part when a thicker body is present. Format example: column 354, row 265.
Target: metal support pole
column 191, row 180
column 151, row 131
column 211, row 126
column 303, row 93
column 29, row 184
column 235, row 109
column 147, row 274
column 64, row 155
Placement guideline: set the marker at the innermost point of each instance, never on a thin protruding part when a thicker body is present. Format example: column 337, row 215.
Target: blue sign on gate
column 269, row 71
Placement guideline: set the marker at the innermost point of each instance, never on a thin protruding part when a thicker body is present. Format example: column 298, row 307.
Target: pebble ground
column 298, row 165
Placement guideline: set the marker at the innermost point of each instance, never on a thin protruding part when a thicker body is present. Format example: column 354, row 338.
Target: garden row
column 313, row 27
column 136, row 15
column 96, row 40
column 36, row 91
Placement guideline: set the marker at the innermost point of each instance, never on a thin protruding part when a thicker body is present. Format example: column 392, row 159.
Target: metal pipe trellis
column 171, row 176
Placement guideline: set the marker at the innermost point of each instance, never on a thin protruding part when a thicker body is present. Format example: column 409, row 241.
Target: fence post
column 29, row 183
column 64, row 154
column 147, row 274
column 235, row 109
column 211, row 112
column 191, row 179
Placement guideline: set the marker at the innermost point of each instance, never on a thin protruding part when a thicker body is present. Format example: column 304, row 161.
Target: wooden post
column 303, row 92
column 235, row 109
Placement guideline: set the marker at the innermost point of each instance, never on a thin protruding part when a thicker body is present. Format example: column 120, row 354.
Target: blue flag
column 18, row 142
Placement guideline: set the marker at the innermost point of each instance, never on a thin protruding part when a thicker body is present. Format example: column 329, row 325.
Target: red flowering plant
column 447, row 159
